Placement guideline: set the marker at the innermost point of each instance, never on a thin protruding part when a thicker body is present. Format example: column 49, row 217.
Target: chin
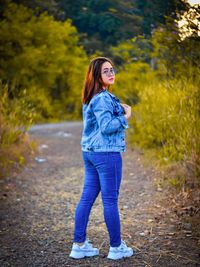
column 111, row 82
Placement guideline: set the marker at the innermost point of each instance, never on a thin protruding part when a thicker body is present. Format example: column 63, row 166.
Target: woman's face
column 107, row 74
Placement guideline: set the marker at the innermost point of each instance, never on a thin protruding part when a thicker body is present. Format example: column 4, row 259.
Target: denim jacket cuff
column 123, row 121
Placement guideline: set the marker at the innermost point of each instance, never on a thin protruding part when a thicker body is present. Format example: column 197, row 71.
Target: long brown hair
column 93, row 82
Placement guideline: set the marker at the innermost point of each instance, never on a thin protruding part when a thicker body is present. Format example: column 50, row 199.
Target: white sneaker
column 116, row 253
column 86, row 250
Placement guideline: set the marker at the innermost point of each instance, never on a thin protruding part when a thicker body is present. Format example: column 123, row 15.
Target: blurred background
column 46, row 46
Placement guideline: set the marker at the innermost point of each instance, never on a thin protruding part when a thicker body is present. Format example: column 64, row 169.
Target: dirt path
column 37, row 209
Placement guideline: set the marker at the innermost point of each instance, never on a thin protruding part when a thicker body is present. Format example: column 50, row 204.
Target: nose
column 110, row 73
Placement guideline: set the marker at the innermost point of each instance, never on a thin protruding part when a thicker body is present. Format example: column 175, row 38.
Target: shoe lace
column 88, row 243
column 123, row 244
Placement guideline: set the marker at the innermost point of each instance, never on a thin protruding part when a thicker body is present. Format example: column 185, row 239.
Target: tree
column 110, row 22
column 42, row 55
column 105, row 22
column 38, row 6
column 174, row 56
column 132, row 50
column 155, row 12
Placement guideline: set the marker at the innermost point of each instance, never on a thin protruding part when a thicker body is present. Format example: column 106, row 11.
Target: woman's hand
column 127, row 110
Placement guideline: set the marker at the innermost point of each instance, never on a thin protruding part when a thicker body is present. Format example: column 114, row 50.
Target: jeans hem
column 114, row 245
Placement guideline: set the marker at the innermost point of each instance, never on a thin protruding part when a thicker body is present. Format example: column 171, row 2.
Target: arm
column 103, row 111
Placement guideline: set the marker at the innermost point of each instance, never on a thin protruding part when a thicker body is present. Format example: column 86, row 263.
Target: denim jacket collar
column 113, row 96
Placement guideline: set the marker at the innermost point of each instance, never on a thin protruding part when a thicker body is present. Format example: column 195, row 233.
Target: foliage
column 168, row 119
column 154, row 13
column 172, row 53
column 130, row 81
column 42, row 55
column 167, row 116
column 16, row 116
column 133, row 50
column 114, row 21
column 165, row 99
column 105, row 23
column 38, row 6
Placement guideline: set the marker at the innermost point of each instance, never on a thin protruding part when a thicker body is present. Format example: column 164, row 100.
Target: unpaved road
column 37, row 209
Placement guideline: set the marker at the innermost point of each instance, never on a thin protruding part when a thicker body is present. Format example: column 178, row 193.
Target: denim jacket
column 104, row 124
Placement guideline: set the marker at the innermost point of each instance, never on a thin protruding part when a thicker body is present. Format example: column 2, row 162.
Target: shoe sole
column 81, row 255
column 113, row 256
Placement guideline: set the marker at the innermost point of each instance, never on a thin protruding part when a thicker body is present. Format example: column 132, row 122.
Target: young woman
column 103, row 140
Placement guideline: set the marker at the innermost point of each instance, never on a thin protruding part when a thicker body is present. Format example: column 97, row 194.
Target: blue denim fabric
column 104, row 124
column 103, row 172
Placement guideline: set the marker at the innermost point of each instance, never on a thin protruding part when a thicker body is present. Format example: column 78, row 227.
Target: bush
column 16, row 116
column 43, row 55
column 130, row 81
column 167, row 119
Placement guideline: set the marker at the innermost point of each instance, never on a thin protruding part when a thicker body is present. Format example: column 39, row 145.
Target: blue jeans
column 103, row 172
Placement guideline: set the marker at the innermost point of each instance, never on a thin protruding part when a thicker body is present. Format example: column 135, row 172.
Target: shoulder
column 114, row 97
column 102, row 100
column 101, row 97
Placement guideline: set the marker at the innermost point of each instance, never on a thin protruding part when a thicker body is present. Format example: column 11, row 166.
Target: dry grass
column 15, row 156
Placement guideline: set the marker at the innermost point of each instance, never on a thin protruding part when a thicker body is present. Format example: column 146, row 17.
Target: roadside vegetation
column 16, row 116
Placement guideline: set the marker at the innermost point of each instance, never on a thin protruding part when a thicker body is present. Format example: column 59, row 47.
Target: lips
column 111, row 79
